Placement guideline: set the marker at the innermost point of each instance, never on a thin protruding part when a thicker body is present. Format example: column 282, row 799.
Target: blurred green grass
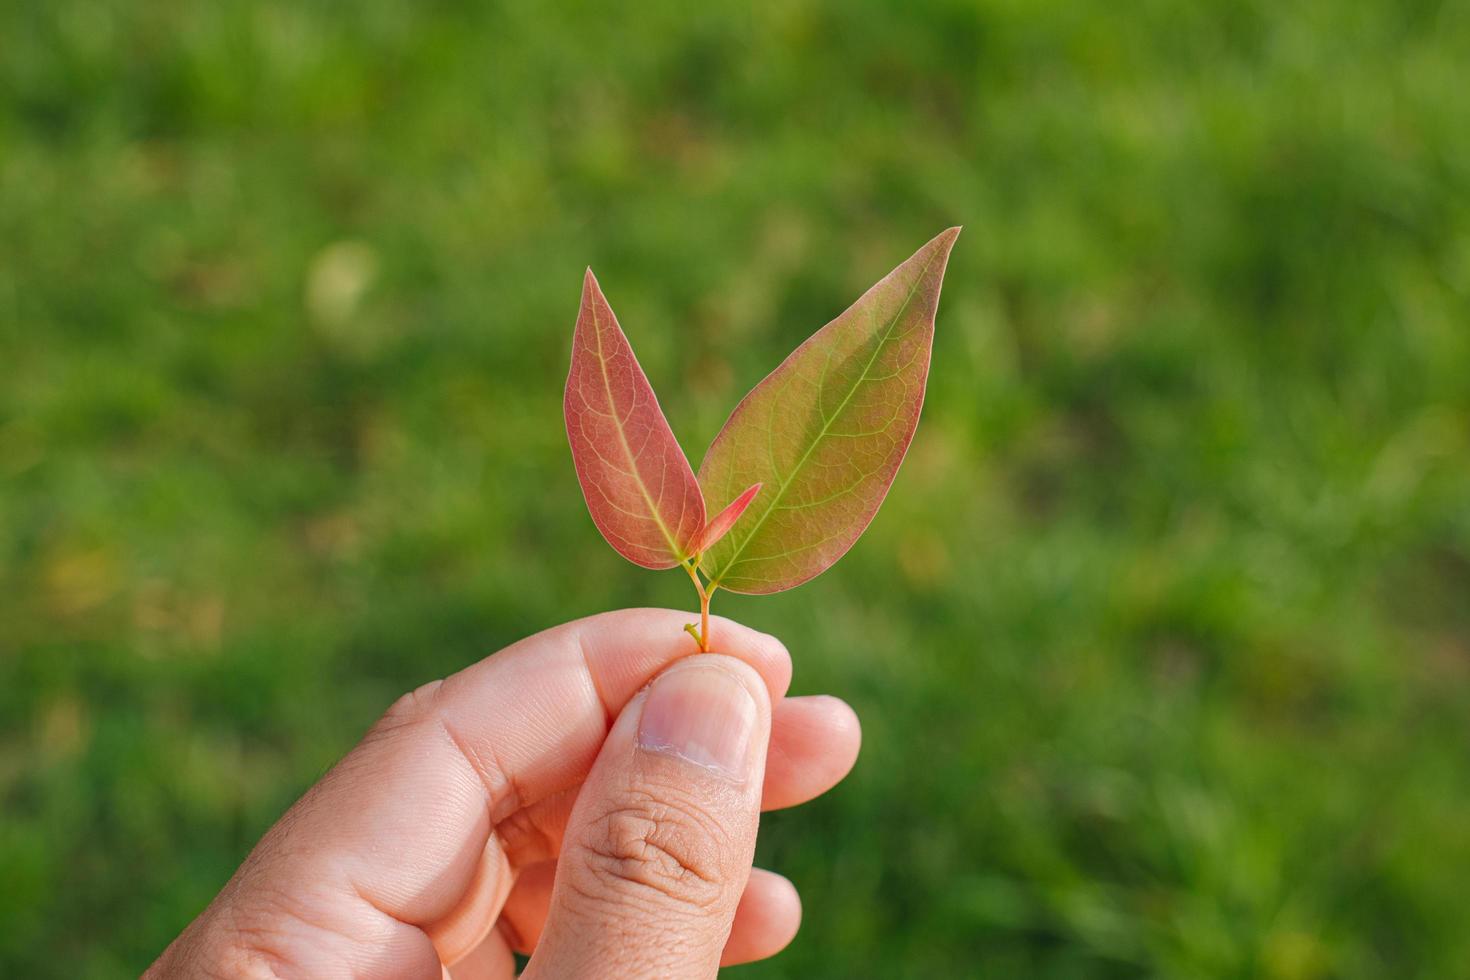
column 1161, row 642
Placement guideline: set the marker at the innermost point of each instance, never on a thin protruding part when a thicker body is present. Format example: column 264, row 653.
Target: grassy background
column 1161, row 642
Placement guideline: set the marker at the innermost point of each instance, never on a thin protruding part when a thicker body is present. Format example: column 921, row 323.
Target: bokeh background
column 1161, row 642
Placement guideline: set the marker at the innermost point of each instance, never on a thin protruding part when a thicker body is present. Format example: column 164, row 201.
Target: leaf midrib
column 826, row 425
column 633, row 470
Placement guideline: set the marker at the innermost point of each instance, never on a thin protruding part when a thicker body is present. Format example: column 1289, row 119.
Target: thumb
column 659, row 845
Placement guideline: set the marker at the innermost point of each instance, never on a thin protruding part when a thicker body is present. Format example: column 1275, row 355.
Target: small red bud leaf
column 721, row 523
column 826, row 432
column 642, row 494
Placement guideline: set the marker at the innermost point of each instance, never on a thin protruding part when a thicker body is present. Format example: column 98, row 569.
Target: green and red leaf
column 825, row 433
column 637, row 483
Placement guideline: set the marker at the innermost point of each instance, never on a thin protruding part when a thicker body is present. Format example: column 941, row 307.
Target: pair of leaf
column 801, row 465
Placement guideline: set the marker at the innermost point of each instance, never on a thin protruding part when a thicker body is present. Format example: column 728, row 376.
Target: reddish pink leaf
column 721, row 523
column 637, row 483
column 825, row 432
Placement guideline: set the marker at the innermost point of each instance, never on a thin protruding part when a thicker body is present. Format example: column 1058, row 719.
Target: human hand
column 546, row 800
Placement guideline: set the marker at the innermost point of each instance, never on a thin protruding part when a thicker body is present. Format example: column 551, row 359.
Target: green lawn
column 1161, row 642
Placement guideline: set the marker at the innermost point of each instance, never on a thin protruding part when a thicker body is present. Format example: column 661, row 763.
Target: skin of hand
column 588, row 796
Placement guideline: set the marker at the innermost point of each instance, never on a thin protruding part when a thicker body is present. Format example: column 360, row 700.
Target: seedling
column 801, row 465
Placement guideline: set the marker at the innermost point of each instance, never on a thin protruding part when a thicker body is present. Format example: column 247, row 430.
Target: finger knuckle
column 665, row 847
column 273, row 933
column 256, row 948
column 408, row 710
column 250, row 941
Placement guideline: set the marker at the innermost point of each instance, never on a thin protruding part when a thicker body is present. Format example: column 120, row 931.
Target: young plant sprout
column 801, row 465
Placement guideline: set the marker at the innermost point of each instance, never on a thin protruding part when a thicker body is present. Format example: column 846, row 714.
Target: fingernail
column 702, row 714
